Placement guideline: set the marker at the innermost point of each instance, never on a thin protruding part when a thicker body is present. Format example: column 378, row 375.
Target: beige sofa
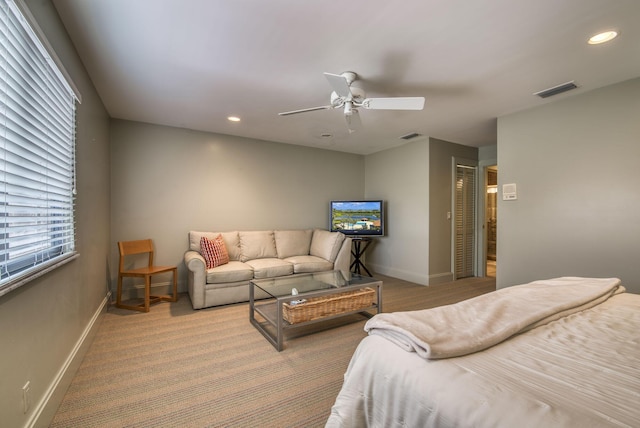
column 260, row 254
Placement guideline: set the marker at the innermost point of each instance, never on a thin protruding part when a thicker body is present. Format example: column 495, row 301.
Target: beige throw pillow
column 257, row 245
column 293, row 242
column 326, row 244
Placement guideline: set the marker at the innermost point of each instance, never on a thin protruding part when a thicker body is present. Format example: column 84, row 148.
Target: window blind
column 37, row 155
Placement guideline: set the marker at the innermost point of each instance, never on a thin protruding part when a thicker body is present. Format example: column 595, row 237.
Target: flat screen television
column 358, row 218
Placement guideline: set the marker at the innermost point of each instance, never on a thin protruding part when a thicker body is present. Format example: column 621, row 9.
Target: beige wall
column 575, row 164
column 400, row 176
column 42, row 322
column 168, row 181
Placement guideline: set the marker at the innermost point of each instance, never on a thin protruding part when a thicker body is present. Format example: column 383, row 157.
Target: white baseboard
column 440, row 278
column 416, row 277
column 48, row 405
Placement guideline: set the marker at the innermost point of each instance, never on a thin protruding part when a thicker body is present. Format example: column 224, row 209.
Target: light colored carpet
column 177, row 367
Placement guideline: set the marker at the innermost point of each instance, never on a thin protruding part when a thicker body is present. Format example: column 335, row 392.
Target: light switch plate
column 509, row 192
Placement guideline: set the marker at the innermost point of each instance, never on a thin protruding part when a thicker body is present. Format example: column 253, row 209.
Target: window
column 37, row 155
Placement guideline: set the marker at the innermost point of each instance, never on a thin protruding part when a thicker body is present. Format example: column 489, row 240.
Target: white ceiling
column 192, row 63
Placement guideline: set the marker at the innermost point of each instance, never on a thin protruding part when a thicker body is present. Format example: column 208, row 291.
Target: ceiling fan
column 350, row 98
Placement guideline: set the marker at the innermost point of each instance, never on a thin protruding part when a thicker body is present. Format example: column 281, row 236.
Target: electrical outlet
column 26, row 397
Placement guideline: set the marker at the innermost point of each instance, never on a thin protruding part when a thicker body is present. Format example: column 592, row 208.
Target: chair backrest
column 135, row 247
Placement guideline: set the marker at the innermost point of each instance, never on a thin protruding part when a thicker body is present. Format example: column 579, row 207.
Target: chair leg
column 119, row 292
column 145, row 306
column 175, row 285
column 147, row 292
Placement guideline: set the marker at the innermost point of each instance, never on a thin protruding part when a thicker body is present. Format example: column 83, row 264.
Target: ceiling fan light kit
column 350, row 98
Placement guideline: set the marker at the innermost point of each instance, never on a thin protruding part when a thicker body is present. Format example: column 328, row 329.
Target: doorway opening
column 491, row 220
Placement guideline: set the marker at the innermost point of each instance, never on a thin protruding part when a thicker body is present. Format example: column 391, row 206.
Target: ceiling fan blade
column 304, row 110
column 339, row 84
column 353, row 121
column 398, row 103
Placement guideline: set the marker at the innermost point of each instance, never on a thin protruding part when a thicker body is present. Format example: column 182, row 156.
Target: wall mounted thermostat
column 509, row 192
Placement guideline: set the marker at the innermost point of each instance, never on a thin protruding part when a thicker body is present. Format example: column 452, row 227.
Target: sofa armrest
column 196, row 277
column 343, row 259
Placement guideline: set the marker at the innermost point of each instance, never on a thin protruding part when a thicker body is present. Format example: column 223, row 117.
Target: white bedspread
column 476, row 324
column 580, row 370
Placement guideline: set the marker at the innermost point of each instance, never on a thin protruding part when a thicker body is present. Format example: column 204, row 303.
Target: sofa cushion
column 231, row 272
column 231, row 242
column 305, row 264
column 326, row 244
column 292, row 242
column 214, row 251
column 270, row 267
column 257, row 245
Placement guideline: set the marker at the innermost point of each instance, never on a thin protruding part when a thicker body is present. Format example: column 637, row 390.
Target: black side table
column 357, row 251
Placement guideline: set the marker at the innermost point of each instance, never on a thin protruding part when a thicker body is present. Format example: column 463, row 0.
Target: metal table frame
column 271, row 310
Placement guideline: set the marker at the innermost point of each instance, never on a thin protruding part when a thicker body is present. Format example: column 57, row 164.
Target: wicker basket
column 333, row 304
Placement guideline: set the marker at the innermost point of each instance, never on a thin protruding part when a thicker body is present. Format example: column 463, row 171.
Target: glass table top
column 307, row 283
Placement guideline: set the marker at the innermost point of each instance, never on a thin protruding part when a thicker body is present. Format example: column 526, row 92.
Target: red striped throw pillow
column 214, row 251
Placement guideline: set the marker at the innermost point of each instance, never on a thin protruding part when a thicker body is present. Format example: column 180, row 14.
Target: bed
column 563, row 352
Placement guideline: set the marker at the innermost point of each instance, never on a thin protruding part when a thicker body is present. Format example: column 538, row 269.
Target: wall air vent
column 556, row 90
column 411, row 136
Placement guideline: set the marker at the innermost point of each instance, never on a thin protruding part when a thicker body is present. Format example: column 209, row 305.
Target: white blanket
column 582, row 370
column 479, row 323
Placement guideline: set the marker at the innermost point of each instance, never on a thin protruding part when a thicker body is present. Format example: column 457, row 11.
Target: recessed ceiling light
column 233, row 119
column 603, row 37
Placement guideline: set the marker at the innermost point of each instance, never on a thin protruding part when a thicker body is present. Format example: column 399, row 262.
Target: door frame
column 455, row 161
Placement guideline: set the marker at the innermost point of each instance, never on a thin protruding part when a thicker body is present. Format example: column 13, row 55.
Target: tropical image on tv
column 357, row 217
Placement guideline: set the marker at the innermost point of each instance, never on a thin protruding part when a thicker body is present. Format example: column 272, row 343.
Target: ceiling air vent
column 556, row 90
column 411, row 136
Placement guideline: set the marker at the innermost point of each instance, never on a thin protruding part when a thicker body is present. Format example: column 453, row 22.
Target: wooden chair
column 129, row 248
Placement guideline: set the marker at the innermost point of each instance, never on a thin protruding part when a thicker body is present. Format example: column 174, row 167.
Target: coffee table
column 274, row 293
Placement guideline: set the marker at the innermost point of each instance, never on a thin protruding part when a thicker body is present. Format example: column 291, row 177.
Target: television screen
column 358, row 218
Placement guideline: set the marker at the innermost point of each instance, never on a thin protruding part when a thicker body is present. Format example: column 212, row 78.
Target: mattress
column 580, row 370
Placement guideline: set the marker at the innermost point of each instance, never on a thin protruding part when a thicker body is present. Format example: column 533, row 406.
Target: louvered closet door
column 465, row 220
